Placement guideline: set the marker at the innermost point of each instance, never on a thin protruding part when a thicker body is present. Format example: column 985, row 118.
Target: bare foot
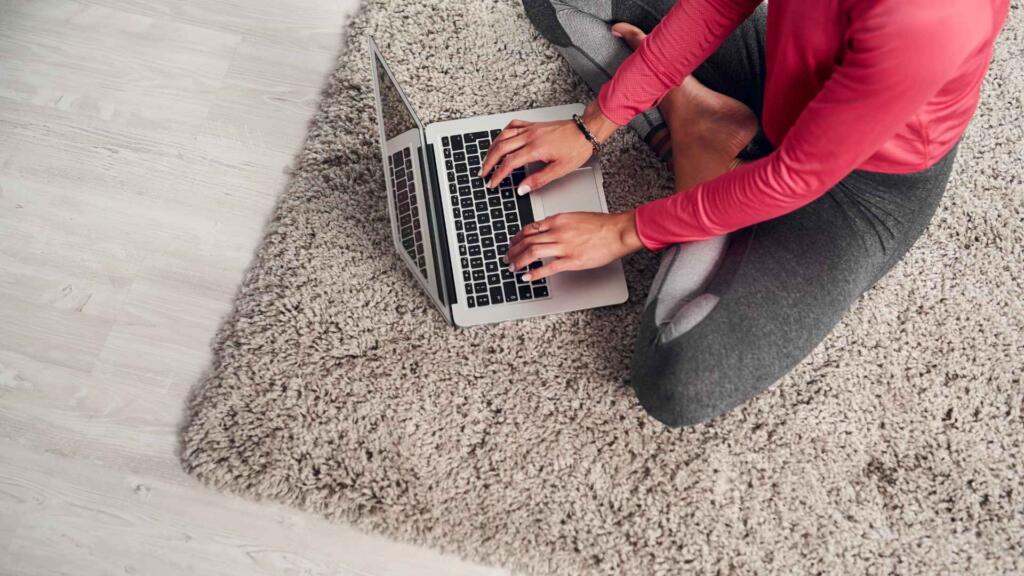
column 707, row 129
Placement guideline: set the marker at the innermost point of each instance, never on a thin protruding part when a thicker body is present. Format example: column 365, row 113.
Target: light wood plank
column 143, row 144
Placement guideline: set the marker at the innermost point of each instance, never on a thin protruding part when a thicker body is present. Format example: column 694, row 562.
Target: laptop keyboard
column 404, row 187
column 485, row 221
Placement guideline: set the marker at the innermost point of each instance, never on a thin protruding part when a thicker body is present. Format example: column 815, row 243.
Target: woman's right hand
column 559, row 144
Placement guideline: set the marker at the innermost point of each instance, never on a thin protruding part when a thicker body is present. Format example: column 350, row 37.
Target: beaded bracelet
column 586, row 133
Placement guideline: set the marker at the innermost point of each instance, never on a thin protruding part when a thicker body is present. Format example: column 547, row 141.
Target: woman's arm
column 900, row 53
column 690, row 32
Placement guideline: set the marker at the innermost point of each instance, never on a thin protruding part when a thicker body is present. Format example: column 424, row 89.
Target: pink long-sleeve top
column 879, row 85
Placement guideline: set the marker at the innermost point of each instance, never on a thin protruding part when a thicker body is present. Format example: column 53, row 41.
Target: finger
column 541, row 178
column 509, row 163
column 530, row 229
column 551, row 268
column 524, row 244
column 508, row 132
column 534, row 253
column 520, row 124
column 498, row 151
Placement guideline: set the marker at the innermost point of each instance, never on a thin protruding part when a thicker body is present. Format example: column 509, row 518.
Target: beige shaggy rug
column 895, row 448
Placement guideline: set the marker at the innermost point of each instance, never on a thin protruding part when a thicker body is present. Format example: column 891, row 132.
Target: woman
column 811, row 143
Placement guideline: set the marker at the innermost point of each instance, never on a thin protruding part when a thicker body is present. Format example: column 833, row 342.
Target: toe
column 629, row 33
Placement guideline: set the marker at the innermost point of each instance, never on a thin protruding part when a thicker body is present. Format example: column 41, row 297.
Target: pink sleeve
column 684, row 38
column 899, row 56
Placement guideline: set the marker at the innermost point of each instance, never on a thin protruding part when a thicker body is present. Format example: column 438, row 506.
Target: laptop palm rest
column 577, row 192
column 574, row 192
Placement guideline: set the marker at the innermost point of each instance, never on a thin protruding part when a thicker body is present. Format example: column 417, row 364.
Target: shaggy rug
column 894, row 448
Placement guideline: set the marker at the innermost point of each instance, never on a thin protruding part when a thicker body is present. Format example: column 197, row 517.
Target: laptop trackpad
column 574, row 192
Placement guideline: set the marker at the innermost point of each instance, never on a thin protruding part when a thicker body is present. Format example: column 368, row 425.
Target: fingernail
column 511, row 267
column 524, row 189
column 504, row 259
column 616, row 34
column 480, row 174
column 526, row 277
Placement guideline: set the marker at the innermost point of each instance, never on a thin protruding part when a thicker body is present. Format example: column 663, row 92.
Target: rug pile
column 894, row 448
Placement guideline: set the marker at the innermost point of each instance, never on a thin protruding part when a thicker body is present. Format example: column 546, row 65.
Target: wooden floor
column 142, row 146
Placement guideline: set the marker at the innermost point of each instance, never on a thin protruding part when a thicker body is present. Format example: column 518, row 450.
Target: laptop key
column 493, row 280
column 483, row 301
column 480, row 288
column 478, row 275
column 470, row 301
column 496, row 295
column 511, row 294
column 540, row 291
column 469, row 288
column 525, row 293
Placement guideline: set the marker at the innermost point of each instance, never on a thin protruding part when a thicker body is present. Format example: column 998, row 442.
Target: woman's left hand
column 576, row 241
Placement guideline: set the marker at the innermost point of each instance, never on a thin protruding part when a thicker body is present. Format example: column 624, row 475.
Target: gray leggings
column 727, row 317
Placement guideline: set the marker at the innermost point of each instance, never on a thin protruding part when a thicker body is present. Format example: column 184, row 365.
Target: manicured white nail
column 524, row 189
column 616, row 34
column 526, row 277
column 511, row 267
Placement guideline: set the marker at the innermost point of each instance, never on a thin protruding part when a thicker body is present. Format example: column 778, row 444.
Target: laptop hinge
column 444, row 256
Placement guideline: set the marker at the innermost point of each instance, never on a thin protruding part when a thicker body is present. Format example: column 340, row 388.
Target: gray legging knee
column 727, row 317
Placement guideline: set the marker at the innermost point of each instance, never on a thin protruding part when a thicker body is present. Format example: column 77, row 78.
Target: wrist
column 626, row 227
column 599, row 125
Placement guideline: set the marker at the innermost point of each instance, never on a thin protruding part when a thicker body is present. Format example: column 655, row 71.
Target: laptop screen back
column 410, row 203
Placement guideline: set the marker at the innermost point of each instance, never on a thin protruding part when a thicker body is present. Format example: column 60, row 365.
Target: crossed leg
column 727, row 317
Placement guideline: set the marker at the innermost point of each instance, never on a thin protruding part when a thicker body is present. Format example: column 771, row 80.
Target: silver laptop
column 451, row 231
